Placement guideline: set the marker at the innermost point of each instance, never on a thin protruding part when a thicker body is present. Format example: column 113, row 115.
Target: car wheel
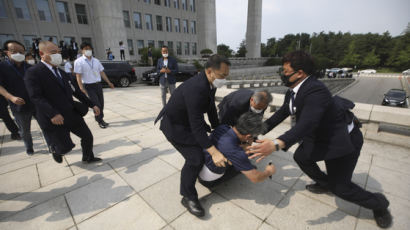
column 124, row 82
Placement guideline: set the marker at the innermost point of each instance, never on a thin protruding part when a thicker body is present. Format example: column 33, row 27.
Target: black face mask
column 285, row 79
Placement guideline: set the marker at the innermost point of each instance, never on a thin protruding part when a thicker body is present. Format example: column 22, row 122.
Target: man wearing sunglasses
column 326, row 130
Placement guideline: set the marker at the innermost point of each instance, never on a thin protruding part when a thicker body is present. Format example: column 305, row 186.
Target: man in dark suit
column 184, row 126
column 326, row 130
column 51, row 91
column 167, row 67
column 241, row 101
column 8, row 121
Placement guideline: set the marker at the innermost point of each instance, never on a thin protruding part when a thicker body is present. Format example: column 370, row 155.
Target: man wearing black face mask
column 326, row 130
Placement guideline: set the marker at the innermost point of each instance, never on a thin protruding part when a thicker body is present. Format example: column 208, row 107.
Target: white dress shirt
column 89, row 69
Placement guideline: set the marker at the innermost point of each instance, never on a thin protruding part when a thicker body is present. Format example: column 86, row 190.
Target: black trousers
column 95, row 93
column 61, row 140
column 339, row 176
column 194, row 160
column 8, row 121
column 122, row 54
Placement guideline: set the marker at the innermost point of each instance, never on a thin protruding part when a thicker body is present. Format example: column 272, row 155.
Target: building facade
column 185, row 26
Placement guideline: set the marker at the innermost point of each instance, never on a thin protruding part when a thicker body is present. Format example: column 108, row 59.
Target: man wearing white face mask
column 167, row 67
column 13, row 89
column 51, row 91
column 241, row 101
column 89, row 72
column 184, row 126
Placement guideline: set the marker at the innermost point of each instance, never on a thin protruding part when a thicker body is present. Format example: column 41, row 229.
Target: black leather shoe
column 317, row 188
column 30, row 152
column 383, row 218
column 105, row 123
column 92, row 160
column 57, row 157
column 102, row 125
column 15, row 136
column 194, row 207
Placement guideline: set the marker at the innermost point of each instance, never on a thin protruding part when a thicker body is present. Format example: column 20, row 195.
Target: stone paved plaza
column 137, row 184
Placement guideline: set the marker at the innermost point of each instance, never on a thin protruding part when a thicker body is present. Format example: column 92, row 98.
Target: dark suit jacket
column 320, row 123
column 172, row 65
column 50, row 97
column 183, row 116
column 233, row 106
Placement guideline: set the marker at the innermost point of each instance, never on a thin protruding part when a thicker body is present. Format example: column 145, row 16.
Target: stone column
column 253, row 29
column 109, row 27
column 206, row 18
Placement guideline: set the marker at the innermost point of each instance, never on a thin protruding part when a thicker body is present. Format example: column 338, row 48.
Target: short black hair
column 215, row 61
column 164, row 46
column 85, row 44
column 300, row 60
column 250, row 123
column 6, row 44
column 29, row 55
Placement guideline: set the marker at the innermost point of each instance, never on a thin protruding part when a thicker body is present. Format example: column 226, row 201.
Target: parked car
column 120, row 73
column 368, row 71
column 406, row 72
column 145, row 74
column 395, row 97
column 185, row 71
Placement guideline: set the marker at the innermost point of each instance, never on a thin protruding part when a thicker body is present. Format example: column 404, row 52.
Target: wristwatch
column 276, row 144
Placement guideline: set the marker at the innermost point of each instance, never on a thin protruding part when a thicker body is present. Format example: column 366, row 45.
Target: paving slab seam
column 69, row 210
column 38, row 176
column 23, row 166
column 17, row 160
column 69, row 166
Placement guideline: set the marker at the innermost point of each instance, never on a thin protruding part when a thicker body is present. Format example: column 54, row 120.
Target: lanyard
column 91, row 65
column 15, row 70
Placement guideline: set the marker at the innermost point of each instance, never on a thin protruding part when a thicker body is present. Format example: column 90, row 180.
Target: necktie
column 58, row 76
column 292, row 98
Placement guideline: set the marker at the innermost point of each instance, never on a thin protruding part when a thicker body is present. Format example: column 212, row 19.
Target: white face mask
column 56, row 59
column 218, row 83
column 256, row 110
column 165, row 55
column 31, row 62
column 18, row 57
column 88, row 53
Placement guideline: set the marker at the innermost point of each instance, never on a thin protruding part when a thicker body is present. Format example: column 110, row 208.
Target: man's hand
column 111, row 85
column 217, row 157
column 261, row 150
column 167, row 70
column 162, row 70
column 84, row 91
column 57, row 120
column 96, row 110
column 18, row 100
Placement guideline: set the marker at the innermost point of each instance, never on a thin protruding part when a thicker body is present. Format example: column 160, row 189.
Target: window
column 194, row 48
column 193, row 27
column 148, row 21
column 157, row 2
column 176, row 4
column 186, row 48
column 176, row 23
column 151, row 43
column 168, row 24
column 28, row 40
column 147, row 1
column 184, row 6
column 4, row 38
column 140, row 45
column 185, row 25
column 161, row 44
column 81, row 14
column 20, row 6
column 43, row 10
column 192, row 5
column 130, row 47
column 63, row 13
column 167, row 3
column 179, row 48
column 67, row 40
column 126, row 16
column 137, row 20
column 159, row 23
column 171, row 46
column 3, row 12
column 52, row 39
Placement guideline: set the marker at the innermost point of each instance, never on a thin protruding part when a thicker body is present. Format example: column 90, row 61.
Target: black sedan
column 395, row 97
column 120, row 73
column 185, row 71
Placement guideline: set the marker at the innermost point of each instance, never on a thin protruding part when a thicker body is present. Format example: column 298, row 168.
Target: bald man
column 51, row 91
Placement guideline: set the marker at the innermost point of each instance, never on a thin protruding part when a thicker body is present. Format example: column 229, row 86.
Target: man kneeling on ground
column 231, row 142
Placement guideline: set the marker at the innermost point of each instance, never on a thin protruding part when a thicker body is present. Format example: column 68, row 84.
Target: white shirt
column 68, row 67
column 89, row 69
column 51, row 68
column 122, row 47
column 166, row 64
column 207, row 175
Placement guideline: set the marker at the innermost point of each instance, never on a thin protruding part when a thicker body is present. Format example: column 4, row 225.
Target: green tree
column 371, row 59
column 351, row 58
column 242, row 49
column 224, row 50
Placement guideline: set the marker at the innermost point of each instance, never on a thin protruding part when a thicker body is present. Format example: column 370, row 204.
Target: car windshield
column 395, row 94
